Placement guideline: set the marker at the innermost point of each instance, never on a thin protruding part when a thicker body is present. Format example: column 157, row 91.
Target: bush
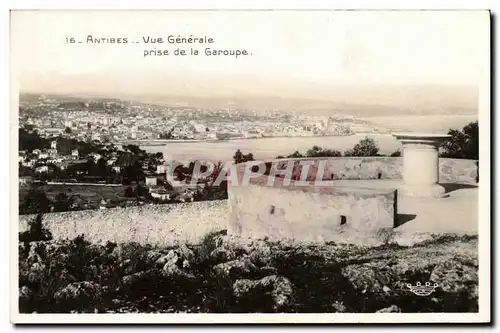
column 35, row 202
column 239, row 157
column 397, row 153
column 320, row 152
column 366, row 147
column 36, row 231
column 462, row 144
column 129, row 192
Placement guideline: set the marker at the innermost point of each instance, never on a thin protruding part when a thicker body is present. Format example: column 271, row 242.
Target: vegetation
column 463, row 144
column 365, row 147
column 239, row 157
column 221, row 275
column 320, row 152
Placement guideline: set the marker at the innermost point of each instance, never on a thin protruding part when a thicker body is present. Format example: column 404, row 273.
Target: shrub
column 320, row 152
column 35, row 202
column 397, row 153
column 365, row 147
column 129, row 192
column 386, row 235
column 36, row 231
column 462, row 144
column 239, row 157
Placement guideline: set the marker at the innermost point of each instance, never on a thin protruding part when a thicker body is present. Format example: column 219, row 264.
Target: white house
column 29, row 163
column 151, row 181
column 95, row 156
column 161, row 195
column 161, row 169
column 75, row 154
column 42, row 169
column 43, row 155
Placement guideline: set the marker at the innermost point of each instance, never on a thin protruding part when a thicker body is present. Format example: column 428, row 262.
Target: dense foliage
column 464, row 143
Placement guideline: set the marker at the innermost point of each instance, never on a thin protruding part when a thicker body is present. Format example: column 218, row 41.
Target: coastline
column 162, row 142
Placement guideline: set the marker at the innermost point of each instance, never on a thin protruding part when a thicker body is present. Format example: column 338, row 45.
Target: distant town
column 81, row 153
column 118, row 121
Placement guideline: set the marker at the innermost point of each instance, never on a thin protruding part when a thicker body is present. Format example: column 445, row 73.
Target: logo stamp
column 422, row 290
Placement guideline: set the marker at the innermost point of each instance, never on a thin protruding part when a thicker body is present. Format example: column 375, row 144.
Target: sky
column 289, row 49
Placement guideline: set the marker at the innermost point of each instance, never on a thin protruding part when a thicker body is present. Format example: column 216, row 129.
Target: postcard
column 250, row 166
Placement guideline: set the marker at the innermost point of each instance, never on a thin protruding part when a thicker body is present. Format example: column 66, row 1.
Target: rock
column 25, row 293
column 172, row 267
column 152, row 256
column 36, row 272
column 390, row 309
column 161, row 261
column 185, row 253
column 235, row 268
column 79, row 293
column 278, row 288
column 172, row 271
column 128, row 266
column 368, row 278
column 261, row 254
column 222, row 254
column 268, row 270
column 133, row 279
column 453, row 277
column 339, row 307
column 127, row 250
column 36, row 252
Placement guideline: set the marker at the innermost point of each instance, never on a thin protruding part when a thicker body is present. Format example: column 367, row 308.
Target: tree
column 397, row 153
column 67, row 130
column 462, row 144
column 62, row 203
column 239, row 157
column 365, row 147
column 317, row 151
column 296, row 154
column 129, row 192
column 248, row 157
column 36, row 232
column 34, row 202
column 141, row 191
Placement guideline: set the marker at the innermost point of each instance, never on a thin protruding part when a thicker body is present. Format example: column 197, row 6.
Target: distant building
column 53, row 144
column 42, row 169
column 162, row 195
column 25, row 180
column 161, row 169
column 75, row 154
column 151, row 181
column 43, row 155
column 28, row 164
column 95, row 156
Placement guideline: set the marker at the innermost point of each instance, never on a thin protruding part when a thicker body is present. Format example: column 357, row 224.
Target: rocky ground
column 223, row 274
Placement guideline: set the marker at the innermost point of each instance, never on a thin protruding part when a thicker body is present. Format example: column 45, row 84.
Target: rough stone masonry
column 308, row 213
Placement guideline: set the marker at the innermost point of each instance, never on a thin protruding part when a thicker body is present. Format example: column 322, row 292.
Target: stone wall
column 155, row 225
column 309, row 213
column 451, row 170
column 259, row 210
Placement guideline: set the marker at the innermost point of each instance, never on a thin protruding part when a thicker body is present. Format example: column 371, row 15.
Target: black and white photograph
column 250, row 166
